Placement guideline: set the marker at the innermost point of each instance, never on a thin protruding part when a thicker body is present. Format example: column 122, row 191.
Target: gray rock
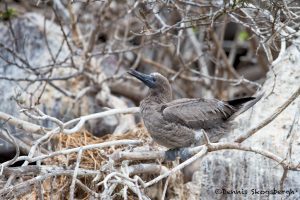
column 233, row 170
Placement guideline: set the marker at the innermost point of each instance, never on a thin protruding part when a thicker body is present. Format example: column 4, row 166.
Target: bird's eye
column 153, row 78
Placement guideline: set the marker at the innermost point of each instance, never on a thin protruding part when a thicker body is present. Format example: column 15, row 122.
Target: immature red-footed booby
column 178, row 123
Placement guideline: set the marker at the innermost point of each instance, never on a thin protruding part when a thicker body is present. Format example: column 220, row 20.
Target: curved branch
column 279, row 110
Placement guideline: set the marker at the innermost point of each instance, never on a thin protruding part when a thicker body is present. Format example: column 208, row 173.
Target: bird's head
column 158, row 84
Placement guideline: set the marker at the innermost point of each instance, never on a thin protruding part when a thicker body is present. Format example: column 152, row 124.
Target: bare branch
column 279, row 110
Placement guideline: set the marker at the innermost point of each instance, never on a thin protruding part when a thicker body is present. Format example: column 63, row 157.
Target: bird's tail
column 244, row 104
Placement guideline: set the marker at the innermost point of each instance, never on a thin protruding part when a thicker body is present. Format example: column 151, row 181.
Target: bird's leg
column 172, row 154
column 183, row 153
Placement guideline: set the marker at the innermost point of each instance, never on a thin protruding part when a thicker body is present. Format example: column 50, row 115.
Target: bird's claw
column 182, row 153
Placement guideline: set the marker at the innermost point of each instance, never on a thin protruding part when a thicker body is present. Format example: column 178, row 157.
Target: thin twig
column 279, row 110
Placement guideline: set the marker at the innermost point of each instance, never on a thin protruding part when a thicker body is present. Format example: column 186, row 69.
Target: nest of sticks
column 97, row 164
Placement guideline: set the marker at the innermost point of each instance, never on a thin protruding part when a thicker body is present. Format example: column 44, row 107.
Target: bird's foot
column 172, row 154
column 182, row 153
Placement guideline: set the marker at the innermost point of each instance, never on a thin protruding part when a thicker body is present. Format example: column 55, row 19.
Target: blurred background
column 70, row 58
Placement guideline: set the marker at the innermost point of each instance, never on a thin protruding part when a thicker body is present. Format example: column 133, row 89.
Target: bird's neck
column 158, row 97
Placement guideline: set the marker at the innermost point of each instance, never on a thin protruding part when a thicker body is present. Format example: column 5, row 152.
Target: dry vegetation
column 62, row 60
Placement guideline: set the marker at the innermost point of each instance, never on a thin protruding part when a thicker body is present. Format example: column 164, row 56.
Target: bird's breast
column 165, row 133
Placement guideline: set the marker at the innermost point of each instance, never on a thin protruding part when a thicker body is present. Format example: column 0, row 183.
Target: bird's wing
column 197, row 113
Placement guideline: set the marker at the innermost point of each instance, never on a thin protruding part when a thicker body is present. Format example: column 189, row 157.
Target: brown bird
column 178, row 123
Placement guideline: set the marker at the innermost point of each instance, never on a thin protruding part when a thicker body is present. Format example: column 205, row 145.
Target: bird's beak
column 146, row 79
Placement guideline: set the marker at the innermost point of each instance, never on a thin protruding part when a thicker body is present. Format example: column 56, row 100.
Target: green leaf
column 243, row 36
column 8, row 14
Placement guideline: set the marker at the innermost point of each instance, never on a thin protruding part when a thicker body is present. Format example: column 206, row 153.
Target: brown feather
column 177, row 123
column 197, row 113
